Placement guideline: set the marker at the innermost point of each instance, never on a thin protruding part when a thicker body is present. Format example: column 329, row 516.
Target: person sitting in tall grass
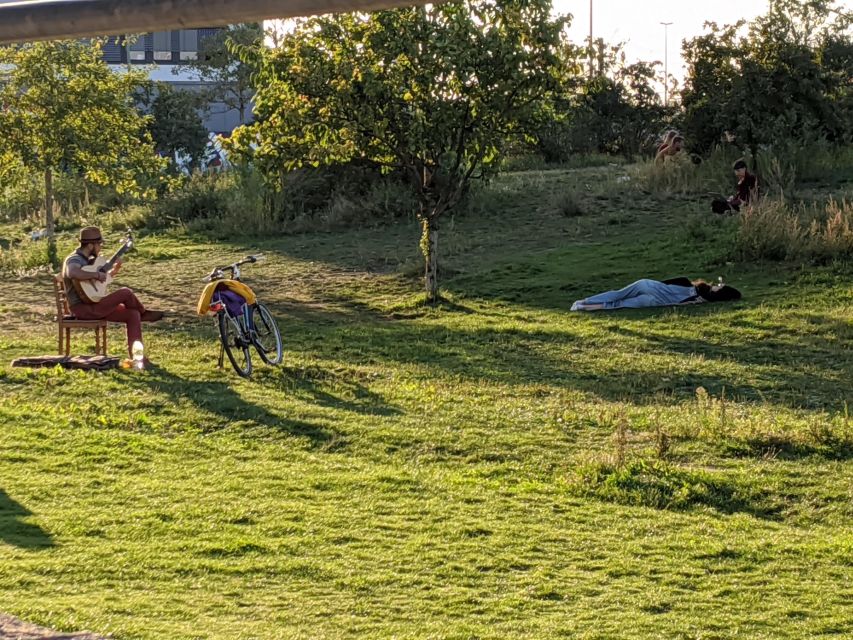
column 747, row 190
column 655, row 293
column 675, row 147
column 667, row 140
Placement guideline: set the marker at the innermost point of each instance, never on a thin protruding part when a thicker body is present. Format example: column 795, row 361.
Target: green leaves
column 431, row 91
column 66, row 111
column 778, row 81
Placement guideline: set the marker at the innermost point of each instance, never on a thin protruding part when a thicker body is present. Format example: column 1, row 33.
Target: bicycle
column 242, row 320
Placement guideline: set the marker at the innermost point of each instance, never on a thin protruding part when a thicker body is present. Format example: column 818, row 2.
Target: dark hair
column 723, row 294
column 739, row 164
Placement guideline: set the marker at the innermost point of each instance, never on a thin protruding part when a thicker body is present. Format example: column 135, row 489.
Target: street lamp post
column 666, row 63
column 590, row 41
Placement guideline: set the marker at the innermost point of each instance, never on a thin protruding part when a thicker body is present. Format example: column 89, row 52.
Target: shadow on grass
column 800, row 370
column 833, row 446
column 659, row 485
column 580, row 356
column 221, row 399
column 314, row 383
column 16, row 532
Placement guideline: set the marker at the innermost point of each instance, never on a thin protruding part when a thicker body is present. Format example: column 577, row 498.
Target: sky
column 637, row 23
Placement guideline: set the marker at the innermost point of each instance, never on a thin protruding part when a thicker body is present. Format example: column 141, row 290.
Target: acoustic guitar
column 92, row 291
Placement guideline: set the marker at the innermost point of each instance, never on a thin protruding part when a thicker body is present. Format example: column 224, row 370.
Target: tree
column 175, row 125
column 229, row 76
column 432, row 92
column 616, row 111
column 64, row 110
column 784, row 76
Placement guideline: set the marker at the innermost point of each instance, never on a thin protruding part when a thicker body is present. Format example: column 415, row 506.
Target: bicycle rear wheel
column 236, row 344
column 266, row 336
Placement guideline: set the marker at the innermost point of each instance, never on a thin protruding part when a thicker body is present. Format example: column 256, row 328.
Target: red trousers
column 119, row 306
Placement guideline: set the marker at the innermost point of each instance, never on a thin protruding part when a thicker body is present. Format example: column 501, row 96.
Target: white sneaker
column 577, row 306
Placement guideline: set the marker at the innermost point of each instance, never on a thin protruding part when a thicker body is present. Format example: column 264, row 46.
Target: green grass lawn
column 497, row 467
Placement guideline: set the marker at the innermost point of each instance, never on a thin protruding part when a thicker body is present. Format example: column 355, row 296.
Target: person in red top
column 747, row 188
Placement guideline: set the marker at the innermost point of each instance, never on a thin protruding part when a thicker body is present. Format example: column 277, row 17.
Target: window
column 189, row 44
column 137, row 47
column 162, row 46
column 112, row 50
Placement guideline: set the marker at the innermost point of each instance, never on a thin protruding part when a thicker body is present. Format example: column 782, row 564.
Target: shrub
column 25, row 257
column 568, row 204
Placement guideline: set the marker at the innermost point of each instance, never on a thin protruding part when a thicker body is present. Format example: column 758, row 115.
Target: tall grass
column 789, row 164
column 681, row 175
column 240, row 203
column 774, row 230
column 534, row 161
column 21, row 196
column 25, row 258
column 781, row 168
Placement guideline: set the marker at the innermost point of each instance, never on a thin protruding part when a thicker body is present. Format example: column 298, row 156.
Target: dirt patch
column 15, row 629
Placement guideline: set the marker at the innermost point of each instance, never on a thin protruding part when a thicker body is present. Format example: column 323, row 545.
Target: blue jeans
column 643, row 293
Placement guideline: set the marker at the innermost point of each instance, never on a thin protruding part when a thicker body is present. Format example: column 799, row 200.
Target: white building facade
column 164, row 55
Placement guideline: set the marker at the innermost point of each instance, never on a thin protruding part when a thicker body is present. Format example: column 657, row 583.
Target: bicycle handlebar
column 234, row 267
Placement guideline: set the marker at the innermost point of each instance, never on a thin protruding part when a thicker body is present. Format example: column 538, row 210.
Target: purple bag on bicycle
column 233, row 302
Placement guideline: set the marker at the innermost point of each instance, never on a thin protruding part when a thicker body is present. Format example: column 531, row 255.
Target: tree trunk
column 429, row 247
column 48, row 202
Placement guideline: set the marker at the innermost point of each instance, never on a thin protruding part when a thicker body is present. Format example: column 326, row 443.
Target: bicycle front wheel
column 236, row 344
column 266, row 336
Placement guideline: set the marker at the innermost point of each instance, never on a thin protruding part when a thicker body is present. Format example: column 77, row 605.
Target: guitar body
column 92, row 291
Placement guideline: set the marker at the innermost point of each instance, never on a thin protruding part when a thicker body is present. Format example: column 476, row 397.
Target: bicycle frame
column 245, row 325
column 240, row 328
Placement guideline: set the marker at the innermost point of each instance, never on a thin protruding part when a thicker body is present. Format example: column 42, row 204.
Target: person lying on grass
column 656, row 293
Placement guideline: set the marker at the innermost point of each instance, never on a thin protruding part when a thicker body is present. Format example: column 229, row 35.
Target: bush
column 773, row 230
column 25, row 257
column 239, row 202
column 568, row 204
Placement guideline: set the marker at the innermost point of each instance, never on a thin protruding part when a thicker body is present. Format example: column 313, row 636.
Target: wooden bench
column 66, row 322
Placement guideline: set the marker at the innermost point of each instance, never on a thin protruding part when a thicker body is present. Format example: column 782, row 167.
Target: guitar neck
column 118, row 254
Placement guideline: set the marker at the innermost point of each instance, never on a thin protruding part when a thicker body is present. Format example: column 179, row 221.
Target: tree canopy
column 228, row 78
column 433, row 93
column 786, row 74
column 64, row 110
